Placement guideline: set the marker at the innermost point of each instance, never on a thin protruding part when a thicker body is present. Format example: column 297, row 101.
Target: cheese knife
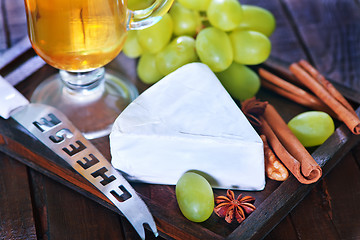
column 54, row 130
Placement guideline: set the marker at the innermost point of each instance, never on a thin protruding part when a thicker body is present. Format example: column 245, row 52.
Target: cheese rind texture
column 188, row 122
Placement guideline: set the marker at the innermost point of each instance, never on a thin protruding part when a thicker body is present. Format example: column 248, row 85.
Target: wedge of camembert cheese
column 188, row 122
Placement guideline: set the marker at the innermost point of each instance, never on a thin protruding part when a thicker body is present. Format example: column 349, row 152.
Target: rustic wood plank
column 356, row 154
column 3, row 29
column 16, row 214
column 25, row 70
column 342, row 188
column 330, row 31
column 284, row 231
column 15, row 20
column 317, row 224
column 14, row 52
column 71, row 215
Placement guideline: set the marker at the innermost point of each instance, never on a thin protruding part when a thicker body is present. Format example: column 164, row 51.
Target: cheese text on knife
column 89, row 160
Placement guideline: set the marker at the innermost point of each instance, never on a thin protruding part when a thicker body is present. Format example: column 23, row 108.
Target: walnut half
column 274, row 169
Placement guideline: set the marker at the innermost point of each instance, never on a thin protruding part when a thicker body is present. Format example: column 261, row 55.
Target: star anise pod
column 253, row 109
column 231, row 208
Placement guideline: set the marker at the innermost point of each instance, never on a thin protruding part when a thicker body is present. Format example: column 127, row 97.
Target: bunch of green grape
column 223, row 34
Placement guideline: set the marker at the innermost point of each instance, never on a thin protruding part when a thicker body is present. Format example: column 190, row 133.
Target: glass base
column 93, row 107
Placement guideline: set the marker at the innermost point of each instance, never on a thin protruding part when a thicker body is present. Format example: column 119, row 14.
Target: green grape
column 250, row 47
column 132, row 47
column 195, row 197
column 312, row 128
column 257, row 19
column 186, row 21
column 139, row 4
column 240, row 81
column 147, row 69
column 224, row 14
column 179, row 52
column 156, row 37
column 199, row 5
column 213, row 47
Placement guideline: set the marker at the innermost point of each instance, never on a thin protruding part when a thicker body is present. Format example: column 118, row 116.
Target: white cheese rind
column 227, row 165
column 187, row 121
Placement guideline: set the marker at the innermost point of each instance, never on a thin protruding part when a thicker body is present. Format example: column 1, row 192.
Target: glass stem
column 83, row 83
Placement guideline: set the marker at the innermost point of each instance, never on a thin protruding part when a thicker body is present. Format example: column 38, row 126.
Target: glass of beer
column 79, row 37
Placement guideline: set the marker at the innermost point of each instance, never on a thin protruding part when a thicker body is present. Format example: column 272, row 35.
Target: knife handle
column 10, row 98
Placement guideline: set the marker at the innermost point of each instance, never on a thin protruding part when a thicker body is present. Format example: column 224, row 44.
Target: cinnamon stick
column 350, row 119
column 326, row 84
column 288, row 148
column 292, row 92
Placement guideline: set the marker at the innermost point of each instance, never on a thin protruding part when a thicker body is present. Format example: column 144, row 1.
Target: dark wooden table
column 325, row 32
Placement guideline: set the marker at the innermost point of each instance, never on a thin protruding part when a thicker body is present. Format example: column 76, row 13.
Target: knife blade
column 54, row 130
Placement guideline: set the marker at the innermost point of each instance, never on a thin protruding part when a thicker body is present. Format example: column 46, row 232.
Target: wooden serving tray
column 273, row 203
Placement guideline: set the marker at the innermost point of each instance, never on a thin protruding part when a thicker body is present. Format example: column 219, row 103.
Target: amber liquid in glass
column 77, row 35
